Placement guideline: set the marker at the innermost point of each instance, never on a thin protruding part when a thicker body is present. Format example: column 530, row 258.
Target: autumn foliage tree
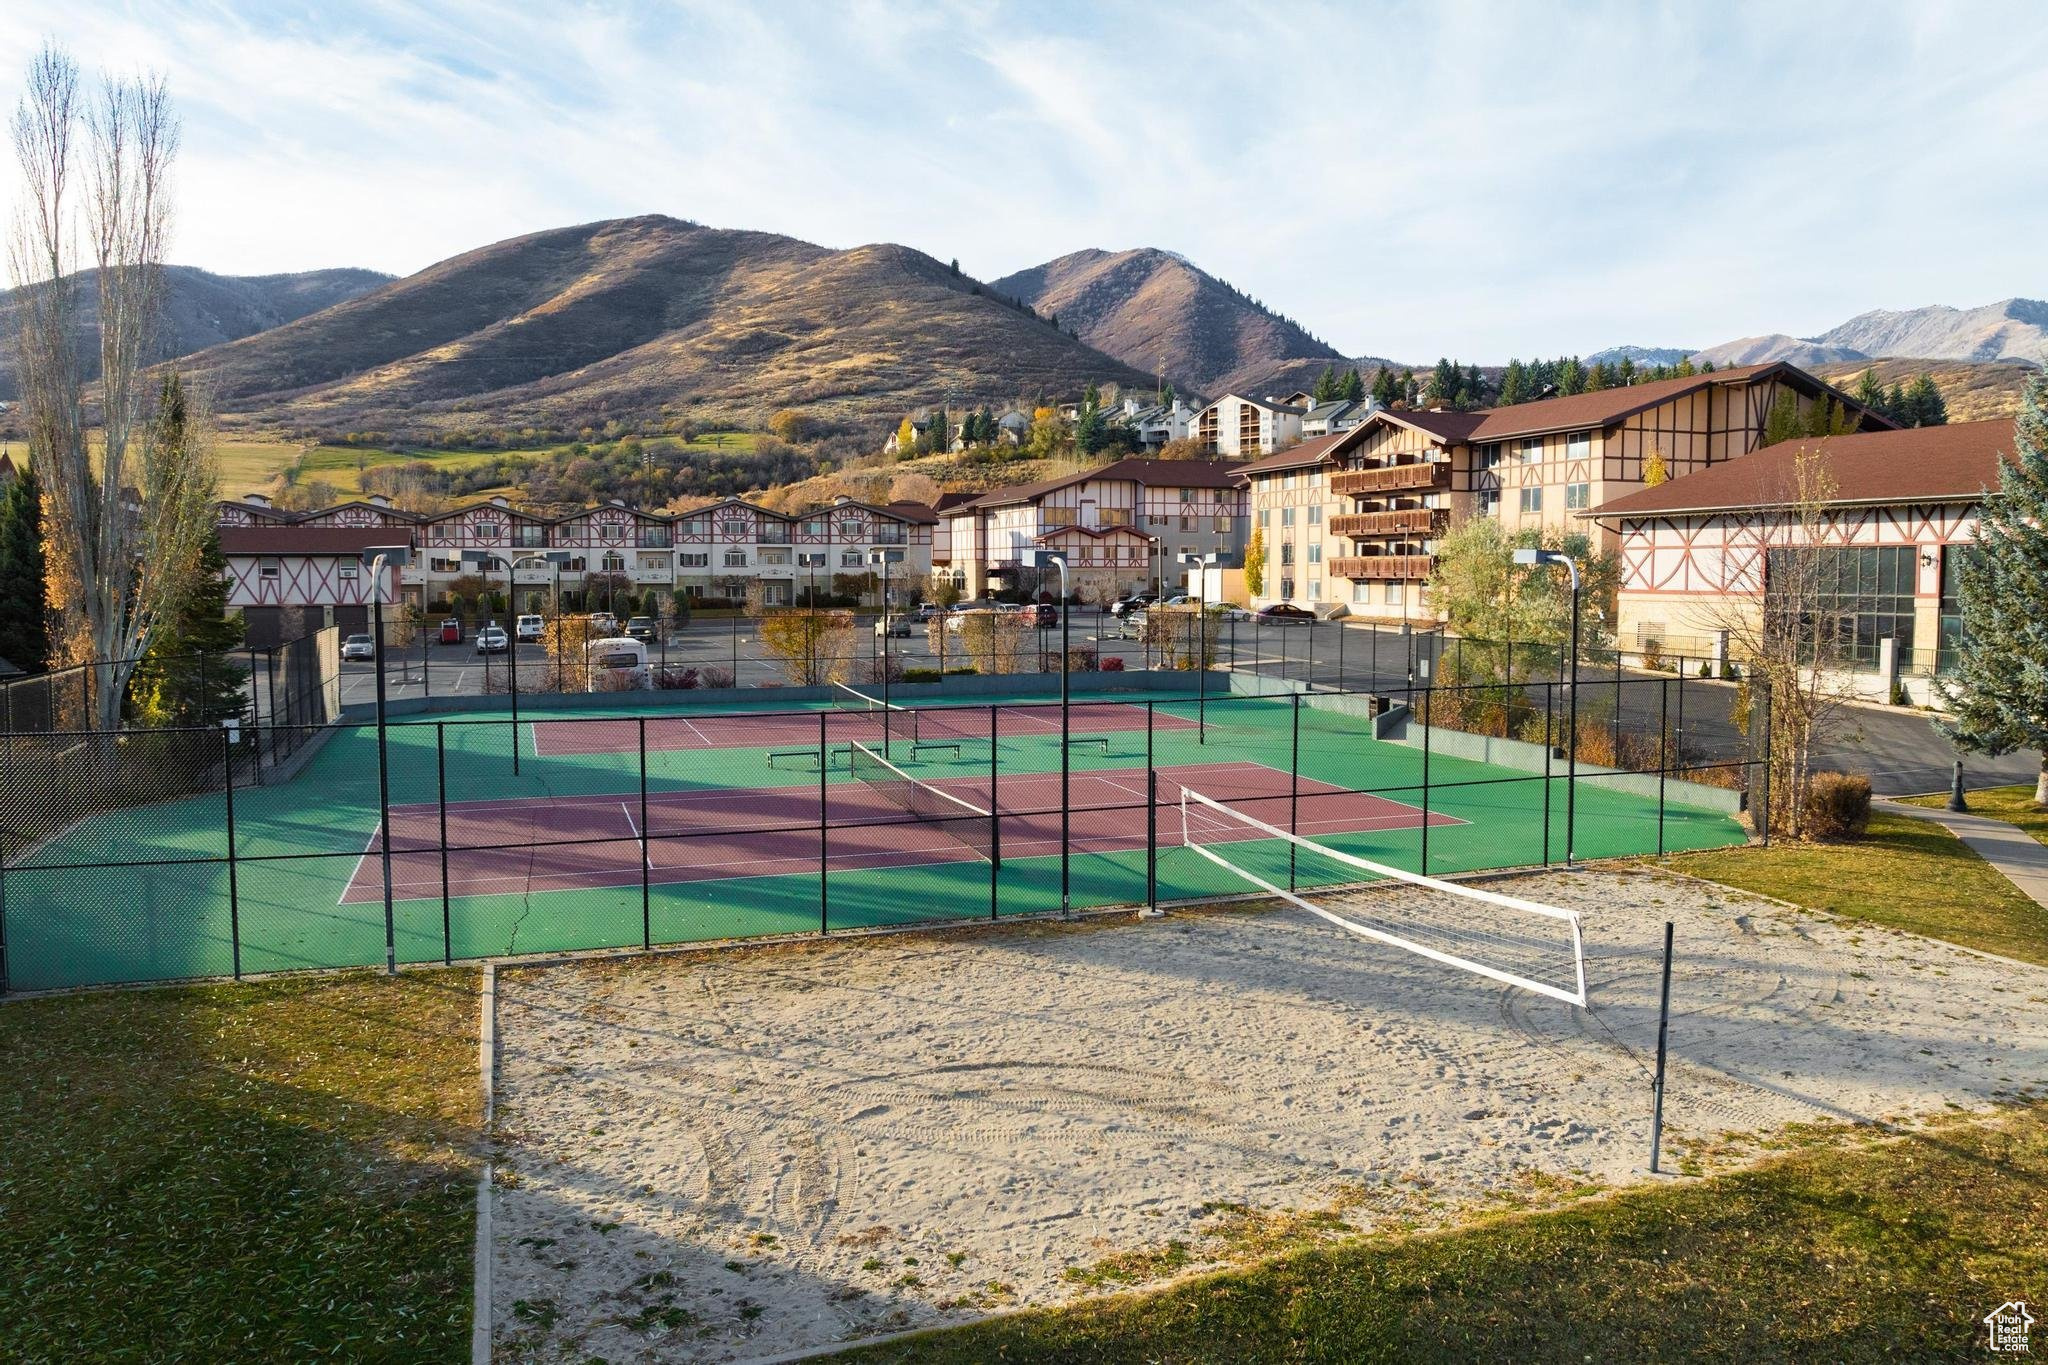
column 812, row 646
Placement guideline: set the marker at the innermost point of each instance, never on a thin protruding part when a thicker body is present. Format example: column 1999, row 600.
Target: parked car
column 1284, row 613
column 359, row 647
column 528, row 629
column 603, row 625
column 893, row 625
column 451, row 631
column 640, row 628
column 1123, row 606
column 1046, row 615
column 1227, row 612
column 492, row 640
column 927, row 610
column 1131, row 625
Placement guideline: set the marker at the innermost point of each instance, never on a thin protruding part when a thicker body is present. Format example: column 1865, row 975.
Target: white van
column 616, row 663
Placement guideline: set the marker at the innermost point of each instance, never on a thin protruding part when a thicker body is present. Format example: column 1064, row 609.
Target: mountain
column 1644, row 356
column 1775, row 346
column 638, row 320
column 202, row 309
column 1160, row 314
column 2011, row 329
column 1974, row 390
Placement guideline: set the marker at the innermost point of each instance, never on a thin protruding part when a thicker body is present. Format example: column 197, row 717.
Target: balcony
column 1398, row 478
column 1424, row 521
column 1404, row 568
column 653, row 575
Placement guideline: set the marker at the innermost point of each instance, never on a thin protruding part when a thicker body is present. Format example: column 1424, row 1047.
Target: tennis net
column 897, row 722
column 1508, row 939
column 957, row 819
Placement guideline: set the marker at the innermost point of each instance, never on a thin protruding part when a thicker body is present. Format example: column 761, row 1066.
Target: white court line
column 370, row 844
column 646, row 859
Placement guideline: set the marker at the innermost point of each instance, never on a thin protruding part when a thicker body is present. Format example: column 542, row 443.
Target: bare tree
column 1781, row 566
column 95, row 169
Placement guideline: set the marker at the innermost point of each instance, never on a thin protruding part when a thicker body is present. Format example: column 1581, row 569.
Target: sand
column 735, row 1154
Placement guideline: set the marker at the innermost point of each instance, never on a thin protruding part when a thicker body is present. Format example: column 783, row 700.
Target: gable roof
column 1603, row 407
column 304, row 540
column 1301, row 456
column 1147, row 473
column 1920, row 464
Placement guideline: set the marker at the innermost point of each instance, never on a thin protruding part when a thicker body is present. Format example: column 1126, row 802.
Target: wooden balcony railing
column 1394, row 479
column 1406, row 568
column 1427, row 521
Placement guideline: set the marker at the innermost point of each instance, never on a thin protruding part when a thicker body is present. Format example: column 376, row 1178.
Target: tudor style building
column 1354, row 518
column 1897, row 511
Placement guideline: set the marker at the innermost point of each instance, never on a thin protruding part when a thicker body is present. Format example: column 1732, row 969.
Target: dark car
column 1045, row 615
column 640, row 628
column 1135, row 600
column 1283, row 613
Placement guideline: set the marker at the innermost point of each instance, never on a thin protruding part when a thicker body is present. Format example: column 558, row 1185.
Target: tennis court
column 676, row 824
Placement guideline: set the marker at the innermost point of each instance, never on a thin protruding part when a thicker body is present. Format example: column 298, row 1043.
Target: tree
column 1656, row 469
column 1870, row 394
column 1325, row 387
column 1514, row 384
column 1783, row 421
column 1924, row 405
column 24, row 586
column 906, row 439
column 1352, row 390
column 792, row 426
column 1997, row 695
column 116, row 569
column 190, row 676
column 1255, row 560
column 813, row 646
column 1049, row 434
column 1383, row 387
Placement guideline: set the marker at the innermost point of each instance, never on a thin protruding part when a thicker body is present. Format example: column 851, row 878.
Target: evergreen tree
column 1784, row 420
column 190, row 675
column 1383, row 387
column 938, row 431
column 1998, row 692
column 1353, row 388
column 1924, row 405
column 1625, row 373
column 1443, row 382
column 24, row 583
column 1325, row 387
column 1514, row 384
column 1870, row 394
column 1475, row 386
column 1571, row 376
column 1597, row 377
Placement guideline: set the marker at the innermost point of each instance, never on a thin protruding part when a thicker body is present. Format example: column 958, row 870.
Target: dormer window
column 487, row 530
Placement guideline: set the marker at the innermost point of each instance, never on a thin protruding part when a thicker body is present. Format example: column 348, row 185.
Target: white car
column 492, row 640
column 529, row 628
column 359, row 647
column 893, row 625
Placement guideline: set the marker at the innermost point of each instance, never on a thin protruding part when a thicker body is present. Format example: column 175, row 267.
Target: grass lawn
column 2014, row 805
column 281, row 1170
column 1905, row 873
column 1877, row 1249
column 253, row 466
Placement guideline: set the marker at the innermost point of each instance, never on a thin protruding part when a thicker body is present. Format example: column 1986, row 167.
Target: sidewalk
column 2010, row 849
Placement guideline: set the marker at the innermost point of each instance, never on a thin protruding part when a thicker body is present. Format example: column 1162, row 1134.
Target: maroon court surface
column 558, row 738
column 533, row 844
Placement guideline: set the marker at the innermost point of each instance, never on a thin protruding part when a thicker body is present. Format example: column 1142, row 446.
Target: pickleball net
column 1509, row 939
column 955, row 817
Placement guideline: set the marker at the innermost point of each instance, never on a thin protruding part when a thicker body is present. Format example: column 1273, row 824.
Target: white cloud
column 1408, row 179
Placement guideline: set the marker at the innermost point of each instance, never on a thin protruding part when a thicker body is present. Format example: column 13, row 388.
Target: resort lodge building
column 1352, row 519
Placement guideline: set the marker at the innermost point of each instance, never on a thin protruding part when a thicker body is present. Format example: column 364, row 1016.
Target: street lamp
column 1041, row 558
column 1529, row 557
column 378, row 557
column 885, row 558
column 486, row 558
column 1201, row 565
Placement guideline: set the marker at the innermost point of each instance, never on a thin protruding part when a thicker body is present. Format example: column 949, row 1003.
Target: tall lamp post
column 885, row 558
column 1201, row 564
column 1530, row 557
column 1041, row 558
column 486, row 558
column 380, row 557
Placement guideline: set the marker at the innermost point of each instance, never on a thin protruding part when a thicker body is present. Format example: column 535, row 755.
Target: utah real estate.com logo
column 2007, row 1325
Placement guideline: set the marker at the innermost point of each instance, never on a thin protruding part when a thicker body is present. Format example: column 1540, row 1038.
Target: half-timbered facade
column 287, row 580
column 1390, row 487
column 1175, row 506
column 1891, row 512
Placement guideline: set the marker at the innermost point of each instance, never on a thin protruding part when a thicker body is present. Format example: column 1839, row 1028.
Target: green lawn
column 2014, row 805
column 273, row 1171
column 1871, row 1250
column 1905, row 874
column 253, row 466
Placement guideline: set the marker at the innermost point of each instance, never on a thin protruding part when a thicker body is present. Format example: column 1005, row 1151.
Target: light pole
column 1529, row 557
column 885, row 558
column 379, row 557
column 512, row 563
column 1201, row 565
column 1041, row 558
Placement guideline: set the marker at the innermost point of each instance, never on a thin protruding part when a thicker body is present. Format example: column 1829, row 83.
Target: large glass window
column 1844, row 599
column 1952, row 557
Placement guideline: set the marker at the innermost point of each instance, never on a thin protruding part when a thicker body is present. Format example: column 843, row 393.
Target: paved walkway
column 2010, row 849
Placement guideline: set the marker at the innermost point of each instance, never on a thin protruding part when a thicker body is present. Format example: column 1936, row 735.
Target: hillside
column 1758, row 350
column 1974, row 391
column 2011, row 329
column 1158, row 313
column 639, row 320
column 202, row 309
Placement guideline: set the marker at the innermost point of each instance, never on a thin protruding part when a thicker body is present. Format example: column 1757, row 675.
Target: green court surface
column 567, row 855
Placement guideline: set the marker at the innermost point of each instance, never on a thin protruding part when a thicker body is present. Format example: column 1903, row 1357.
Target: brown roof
column 1151, row 473
column 1445, row 425
column 1309, row 452
column 307, row 540
column 1921, row 464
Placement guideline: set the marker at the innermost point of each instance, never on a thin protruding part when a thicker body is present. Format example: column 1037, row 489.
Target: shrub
column 1706, row 669
column 920, row 675
column 715, row 676
column 1083, row 659
column 1837, row 806
column 1653, row 655
column 1113, row 664
column 961, row 672
column 1899, row 697
column 675, row 679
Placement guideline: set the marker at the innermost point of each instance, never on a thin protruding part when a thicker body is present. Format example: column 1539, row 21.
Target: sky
column 1408, row 180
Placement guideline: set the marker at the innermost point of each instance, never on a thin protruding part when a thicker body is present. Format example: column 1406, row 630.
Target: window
column 1287, row 516
column 1287, row 481
column 1532, row 498
column 1315, row 554
column 735, row 559
column 851, row 528
column 616, row 563
column 1361, row 592
column 1532, row 450
column 814, row 529
column 349, row 569
column 1286, row 590
column 696, row 526
column 486, row 530
column 694, row 559
column 1265, row 518
column 1187, row 495
column 530, row 537
column 1315, row 590
column 1315, row 514
column 779, row 558
column 1578, row 445
column 1950, row 636
column 1489, row 456
column 266, row 567
column 1187, row 523
column 1397, row 593
column 1855, row 598
column 1578, row 495
column 849, row 559
column 1489, row 502
column 810, row 559
column 732, row 528
column 1287, row 552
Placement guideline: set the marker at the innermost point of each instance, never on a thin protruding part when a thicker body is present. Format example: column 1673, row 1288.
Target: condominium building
column 1122, row 525
column 1237, row 426
column 1387, row 489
